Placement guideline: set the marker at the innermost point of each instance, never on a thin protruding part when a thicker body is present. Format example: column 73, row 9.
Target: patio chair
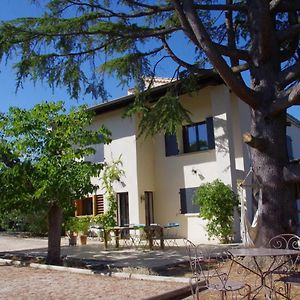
column 212, row 269
column 137, row 235
column 171, row 234
column 155, row 233
column 289, row 273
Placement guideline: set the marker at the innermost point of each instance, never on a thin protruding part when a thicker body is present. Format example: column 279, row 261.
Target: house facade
column 163, row 171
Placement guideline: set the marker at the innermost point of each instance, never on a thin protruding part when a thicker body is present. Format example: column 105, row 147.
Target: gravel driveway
column 29, row 283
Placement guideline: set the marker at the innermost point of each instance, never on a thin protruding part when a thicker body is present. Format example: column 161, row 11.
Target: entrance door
column 149, row 208
column 123, row 209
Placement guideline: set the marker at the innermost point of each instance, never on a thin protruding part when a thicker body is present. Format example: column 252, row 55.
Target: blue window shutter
column 289, row 144
column 171, row 146
column 210, row 133
column 186, row 201
column 183, row 208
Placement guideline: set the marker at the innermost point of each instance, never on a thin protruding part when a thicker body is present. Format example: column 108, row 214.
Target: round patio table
column 278, row 259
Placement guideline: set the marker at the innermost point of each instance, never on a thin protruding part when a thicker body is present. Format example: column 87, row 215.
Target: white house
column 161, row 174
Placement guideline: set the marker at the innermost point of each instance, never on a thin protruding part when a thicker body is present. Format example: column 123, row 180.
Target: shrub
column 78, row 224
column 217, row 202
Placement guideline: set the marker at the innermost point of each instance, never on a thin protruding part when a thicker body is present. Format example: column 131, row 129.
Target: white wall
column 123, row 145
column 193, row 169
column 148, row 169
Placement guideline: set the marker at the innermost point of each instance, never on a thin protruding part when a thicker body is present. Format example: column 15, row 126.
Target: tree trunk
column 55, row 218
column 278, row 210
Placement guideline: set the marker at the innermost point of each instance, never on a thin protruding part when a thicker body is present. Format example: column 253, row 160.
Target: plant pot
column 83, row 239
column 72, row 240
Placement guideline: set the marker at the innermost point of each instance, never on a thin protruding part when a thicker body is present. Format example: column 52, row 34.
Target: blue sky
column 32, row 94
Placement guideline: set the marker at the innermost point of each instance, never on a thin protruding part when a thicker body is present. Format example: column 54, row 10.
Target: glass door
column 123, row 209
column 149, row 208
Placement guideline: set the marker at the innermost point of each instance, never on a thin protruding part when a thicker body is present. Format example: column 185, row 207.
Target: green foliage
column 71, row 42
column 111, row 172
column 80, row 224
column 17, row 220
column 217, row 202
column 45, row 164
column 166, row 115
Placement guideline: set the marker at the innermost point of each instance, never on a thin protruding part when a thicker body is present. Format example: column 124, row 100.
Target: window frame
column 186, row 141
column 186, row 201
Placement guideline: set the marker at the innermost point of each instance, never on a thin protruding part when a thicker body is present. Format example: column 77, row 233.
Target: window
column 195, row 137
column 186, row 201
column 90, row 206
column 84, row 207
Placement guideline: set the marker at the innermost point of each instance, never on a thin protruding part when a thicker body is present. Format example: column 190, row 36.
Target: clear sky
column 32, row 94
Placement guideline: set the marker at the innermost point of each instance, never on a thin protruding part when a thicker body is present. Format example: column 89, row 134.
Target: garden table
column 117, row 232
column 263, row 262
column 151, row 232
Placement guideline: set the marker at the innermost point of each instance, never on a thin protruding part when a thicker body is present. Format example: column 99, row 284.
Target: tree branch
column 292, row 98
column 231, row 34
column 287, row 5
column 260, row 24
column 288, row 75
column 288, row 33
column 274, row 4
column 133, row 33
column 255, row 142
column 192, row 68
column 233, row 52
column 7, row 159
column 291, row 173
column 188, row 15
column 216, row 7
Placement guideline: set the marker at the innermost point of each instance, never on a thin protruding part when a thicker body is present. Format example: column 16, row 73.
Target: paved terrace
column 95, row 253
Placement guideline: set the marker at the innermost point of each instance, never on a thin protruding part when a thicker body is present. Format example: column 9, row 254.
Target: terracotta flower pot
column 83, row 239
column 72, row 240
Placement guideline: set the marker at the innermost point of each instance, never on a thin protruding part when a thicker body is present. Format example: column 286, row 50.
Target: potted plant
column 71, row 229
column 83, row 224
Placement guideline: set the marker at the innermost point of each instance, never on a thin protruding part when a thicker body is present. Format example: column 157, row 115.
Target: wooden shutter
column 186, row 201
column 171, row 146
column 210, row 133
column 78, row 205
column 98, row 204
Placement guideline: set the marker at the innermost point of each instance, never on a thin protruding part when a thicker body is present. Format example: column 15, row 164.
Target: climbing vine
column 111, row 172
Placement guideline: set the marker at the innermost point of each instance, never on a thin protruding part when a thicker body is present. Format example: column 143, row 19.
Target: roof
column 293, row 120
column 209, row 79
column 204, row 80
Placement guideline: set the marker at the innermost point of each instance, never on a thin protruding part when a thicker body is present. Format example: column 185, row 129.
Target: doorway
column 149, row 208
column 123, row 209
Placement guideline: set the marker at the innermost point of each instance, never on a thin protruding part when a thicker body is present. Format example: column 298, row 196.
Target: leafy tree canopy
column 75, row 42
column 42, row 164
column 47, row 146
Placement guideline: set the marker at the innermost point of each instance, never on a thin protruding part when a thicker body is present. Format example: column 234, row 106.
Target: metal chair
column 209, row 270
column 289, row 272
column 285, row 241
column 137, row 235
column 171, row 234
